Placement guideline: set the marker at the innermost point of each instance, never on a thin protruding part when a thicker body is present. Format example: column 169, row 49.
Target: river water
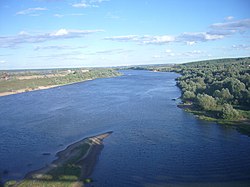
column 154, row 143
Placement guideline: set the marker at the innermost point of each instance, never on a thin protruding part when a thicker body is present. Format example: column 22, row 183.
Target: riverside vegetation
column 214, row 90
column 28, row 80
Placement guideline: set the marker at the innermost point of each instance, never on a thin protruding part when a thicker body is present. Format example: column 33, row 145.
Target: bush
column 228, row 112
column 188, row 95
column 206, row 102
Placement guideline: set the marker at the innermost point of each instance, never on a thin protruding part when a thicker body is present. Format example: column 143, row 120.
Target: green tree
column 226, row 95
column 228, row 112
column 206, row 102
column 188, row 95
column 235, row 86
column 223, row 96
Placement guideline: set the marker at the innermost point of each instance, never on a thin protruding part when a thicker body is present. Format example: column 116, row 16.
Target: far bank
column 14, row 82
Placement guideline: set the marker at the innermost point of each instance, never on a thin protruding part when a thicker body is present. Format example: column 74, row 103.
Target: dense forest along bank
column 214, row 90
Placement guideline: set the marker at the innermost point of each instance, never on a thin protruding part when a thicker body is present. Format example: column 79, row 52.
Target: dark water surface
column 154, row 142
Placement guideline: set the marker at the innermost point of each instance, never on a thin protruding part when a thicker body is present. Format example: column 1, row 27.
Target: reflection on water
column 154, row 143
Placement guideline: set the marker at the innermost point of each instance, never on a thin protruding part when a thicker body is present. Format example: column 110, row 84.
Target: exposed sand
column 87, row 161
column 27, row 90
column 38, row 88
column 40, row 76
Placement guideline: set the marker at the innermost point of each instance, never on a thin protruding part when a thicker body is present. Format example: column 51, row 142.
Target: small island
column 72, row 167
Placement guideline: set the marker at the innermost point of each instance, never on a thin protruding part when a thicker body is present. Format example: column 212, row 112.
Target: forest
column 216, row 89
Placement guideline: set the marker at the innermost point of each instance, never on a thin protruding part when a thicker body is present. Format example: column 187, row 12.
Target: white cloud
column 88, row 3
column 193, row 37
column 58, row 15
column 61, row 32
column 194, row 53
column 158, row 57
column 217, row 31
column 213, row 36
column 233, row 26
column 23, row 33
column 13, row 41
column 169, row 52
column 190, row 42
column 122, row 38
column 80, row 5
column 188, row 38
column 146, row 39
column 241, row 47
column 31, row 11
column 72, row 14
column 229, row 18
column 112, row 51
column 156, row 39
column 97, row 1
column 58, row 47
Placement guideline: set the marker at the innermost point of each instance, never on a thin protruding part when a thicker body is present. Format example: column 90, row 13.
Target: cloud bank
column 217, row 31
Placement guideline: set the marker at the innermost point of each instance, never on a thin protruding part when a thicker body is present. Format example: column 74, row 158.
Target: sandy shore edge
column 87, row 161
column 38, row 88
column 27, row 90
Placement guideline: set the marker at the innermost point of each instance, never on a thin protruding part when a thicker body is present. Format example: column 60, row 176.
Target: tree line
column 219, row 87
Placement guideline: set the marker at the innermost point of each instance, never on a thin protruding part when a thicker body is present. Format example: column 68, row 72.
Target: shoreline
column 241, row 125
column 82, row 154
column 15, row 83
column 38, row 88
column 28, row 90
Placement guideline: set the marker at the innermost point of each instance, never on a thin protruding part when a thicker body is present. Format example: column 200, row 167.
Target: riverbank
column 38, row 88
column 25, row 81
column 72, row 167
column 242, row 125
column 27, row 90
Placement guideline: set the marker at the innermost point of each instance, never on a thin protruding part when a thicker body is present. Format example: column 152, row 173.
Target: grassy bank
column 20, row 81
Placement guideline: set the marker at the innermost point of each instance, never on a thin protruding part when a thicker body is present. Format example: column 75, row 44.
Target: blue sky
column 83, row 33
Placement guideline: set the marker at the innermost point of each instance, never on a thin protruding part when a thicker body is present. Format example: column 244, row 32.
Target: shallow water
column 154, row 142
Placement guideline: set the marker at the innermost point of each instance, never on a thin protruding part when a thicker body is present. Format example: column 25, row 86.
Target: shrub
column 228, row 112
column 206, row 102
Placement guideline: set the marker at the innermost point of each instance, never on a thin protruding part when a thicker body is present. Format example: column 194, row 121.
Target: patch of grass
column 44, row 183
column 244, row 113
column 70, row 169
column 213, row 116
column 66, row 170
column 82, row 150
column 10, row 183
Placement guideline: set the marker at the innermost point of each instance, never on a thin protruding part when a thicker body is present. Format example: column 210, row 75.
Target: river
column 154, row 143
